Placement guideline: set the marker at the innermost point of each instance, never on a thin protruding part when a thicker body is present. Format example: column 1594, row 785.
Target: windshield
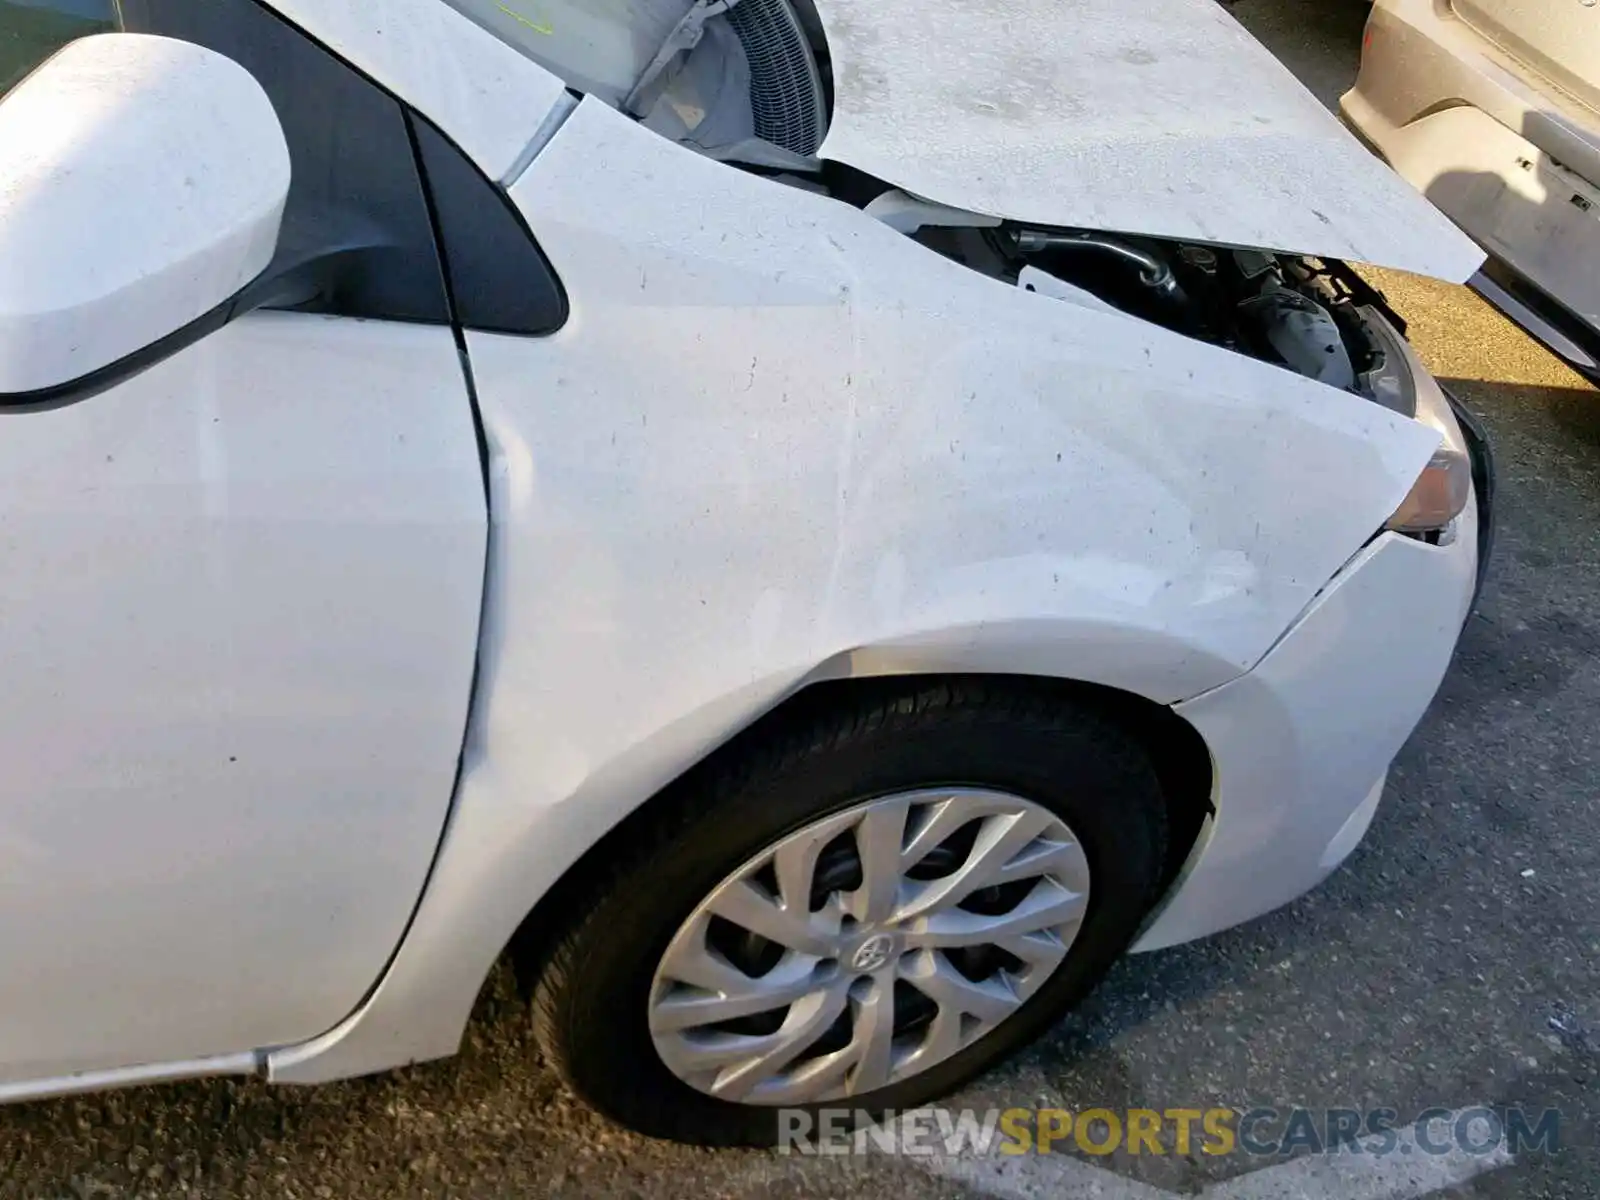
column 739, row 80
column 599, row 47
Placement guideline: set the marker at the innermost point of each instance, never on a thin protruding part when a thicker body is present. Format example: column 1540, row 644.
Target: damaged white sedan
column 814, row 524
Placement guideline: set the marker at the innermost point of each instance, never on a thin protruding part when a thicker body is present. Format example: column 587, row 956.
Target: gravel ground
column 1452, row 961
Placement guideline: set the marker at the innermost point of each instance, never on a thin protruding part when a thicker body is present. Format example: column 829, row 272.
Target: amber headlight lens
column 1439, row 494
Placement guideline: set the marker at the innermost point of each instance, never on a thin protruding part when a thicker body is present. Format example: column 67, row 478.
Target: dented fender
column 778, row 441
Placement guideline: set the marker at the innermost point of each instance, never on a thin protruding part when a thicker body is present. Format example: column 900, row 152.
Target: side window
column 32, row 30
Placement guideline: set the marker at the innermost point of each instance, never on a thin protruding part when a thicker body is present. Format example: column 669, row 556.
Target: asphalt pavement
column 1451, row 962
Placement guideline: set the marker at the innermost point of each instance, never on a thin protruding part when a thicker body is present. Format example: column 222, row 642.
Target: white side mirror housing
column 142, row 184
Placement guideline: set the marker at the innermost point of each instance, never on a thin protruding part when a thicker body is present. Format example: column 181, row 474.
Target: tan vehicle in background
column 1492, row 109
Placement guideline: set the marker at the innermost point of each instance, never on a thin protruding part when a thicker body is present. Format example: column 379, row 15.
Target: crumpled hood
column 1161, row 117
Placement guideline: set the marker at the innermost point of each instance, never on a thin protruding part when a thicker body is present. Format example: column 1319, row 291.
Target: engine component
column 785, row 85
column 1298, row 329
column 1201, row 258
column 1153, row 272
column 682, row 38
column 1031, row 279
column 737, row 80
column 1305, row 335
column 1304, row 314
column 906, row 213
column 1156, row 281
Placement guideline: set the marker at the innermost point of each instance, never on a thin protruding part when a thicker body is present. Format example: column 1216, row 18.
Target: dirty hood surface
column 1162, row 117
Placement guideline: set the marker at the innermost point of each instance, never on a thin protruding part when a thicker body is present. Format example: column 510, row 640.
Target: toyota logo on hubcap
column 873, row 952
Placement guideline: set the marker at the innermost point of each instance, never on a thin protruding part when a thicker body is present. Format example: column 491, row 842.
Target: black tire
column 590, row 1002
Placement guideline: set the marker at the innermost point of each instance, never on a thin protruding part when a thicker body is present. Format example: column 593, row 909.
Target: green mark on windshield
column 536, row 26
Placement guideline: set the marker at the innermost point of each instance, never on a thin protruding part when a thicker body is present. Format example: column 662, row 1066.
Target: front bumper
column 1483, row 485
column 1301, row 745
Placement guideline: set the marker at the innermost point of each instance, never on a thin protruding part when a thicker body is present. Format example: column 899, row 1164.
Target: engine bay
column 1307, row 315
column 1313, row 316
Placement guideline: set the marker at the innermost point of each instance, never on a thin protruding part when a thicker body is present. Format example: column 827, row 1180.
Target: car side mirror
column 142, row 185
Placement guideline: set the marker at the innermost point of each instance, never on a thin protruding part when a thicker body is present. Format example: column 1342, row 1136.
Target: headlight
column 1438, row 496
column 1402, row 383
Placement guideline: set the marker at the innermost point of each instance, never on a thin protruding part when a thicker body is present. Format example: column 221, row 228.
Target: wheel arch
column 463, row 928
column 1177, row 752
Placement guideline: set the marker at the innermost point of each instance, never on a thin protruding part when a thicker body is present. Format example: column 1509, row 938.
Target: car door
column 239, row 604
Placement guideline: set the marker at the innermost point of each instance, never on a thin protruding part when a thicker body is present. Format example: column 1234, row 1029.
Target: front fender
column 778, row 441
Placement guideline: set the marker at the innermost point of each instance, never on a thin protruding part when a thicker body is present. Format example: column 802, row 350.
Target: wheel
column 861, row 912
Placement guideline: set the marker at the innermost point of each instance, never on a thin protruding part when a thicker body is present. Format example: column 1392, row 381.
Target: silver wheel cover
column 868, row 946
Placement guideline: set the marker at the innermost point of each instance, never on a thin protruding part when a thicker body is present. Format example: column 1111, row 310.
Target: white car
column 816, row 526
